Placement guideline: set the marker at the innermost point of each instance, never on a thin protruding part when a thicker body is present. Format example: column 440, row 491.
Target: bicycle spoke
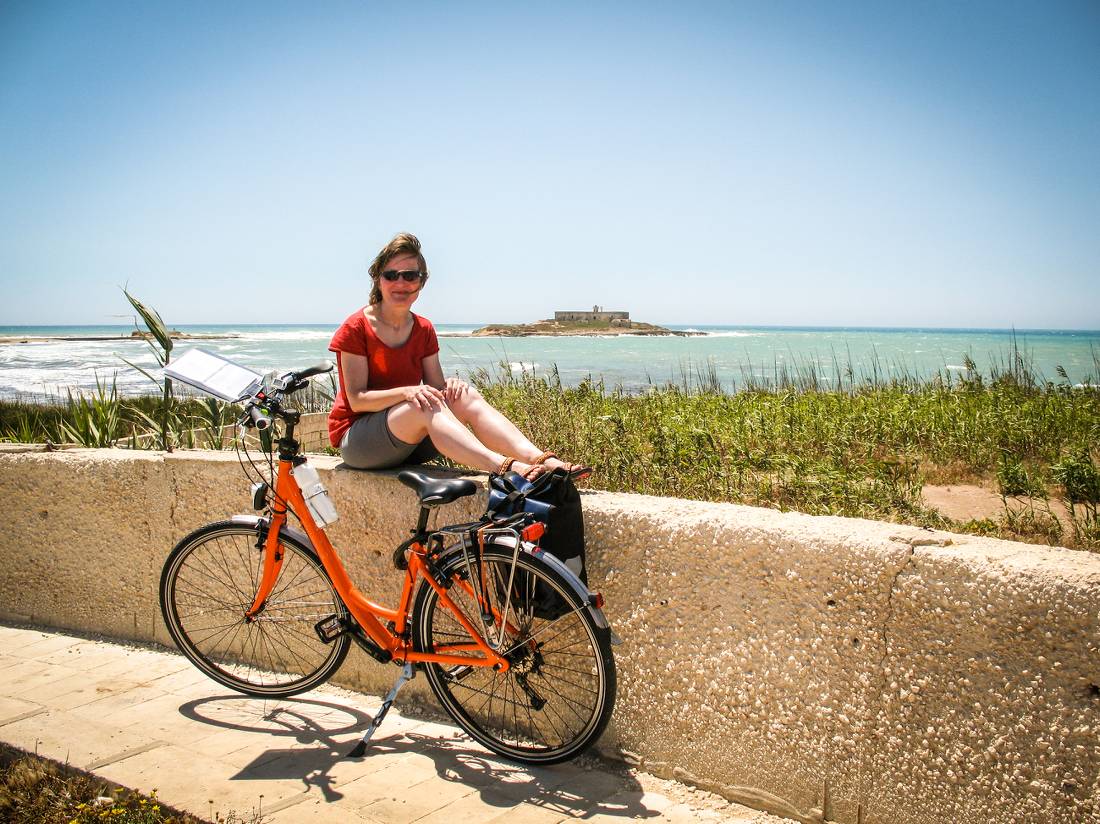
column 213, row 582
column 551, row 701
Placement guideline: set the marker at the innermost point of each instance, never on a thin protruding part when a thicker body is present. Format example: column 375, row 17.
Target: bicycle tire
column 564, row 662
column 210, row 580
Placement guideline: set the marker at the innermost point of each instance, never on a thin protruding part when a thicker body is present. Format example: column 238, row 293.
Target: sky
column 932, row 164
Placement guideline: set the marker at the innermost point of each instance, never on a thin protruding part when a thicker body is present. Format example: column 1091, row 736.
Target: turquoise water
column 49, row 368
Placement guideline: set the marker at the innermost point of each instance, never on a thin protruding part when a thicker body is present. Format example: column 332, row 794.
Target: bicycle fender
column 586, row 596
column 577, row 585
column 287, row 530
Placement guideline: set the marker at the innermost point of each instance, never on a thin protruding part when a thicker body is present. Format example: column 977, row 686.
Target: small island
column 596, row 322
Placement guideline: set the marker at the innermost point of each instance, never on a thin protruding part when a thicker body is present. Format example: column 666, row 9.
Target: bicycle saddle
column 436, row 491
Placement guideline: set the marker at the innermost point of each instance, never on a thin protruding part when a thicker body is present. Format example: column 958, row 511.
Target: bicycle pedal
column 458, row 673
column 330, row 628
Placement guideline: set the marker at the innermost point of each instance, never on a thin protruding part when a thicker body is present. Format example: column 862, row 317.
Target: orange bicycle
column 514, row 646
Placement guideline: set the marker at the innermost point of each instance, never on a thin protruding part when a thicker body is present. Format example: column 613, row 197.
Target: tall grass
column 93, row 419
column 862, row 449
column 103, row 417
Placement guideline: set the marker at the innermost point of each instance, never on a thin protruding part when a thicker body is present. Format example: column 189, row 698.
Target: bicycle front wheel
column 556, row 698
column 209, row 581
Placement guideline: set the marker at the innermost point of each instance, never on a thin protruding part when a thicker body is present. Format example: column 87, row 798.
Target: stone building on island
column 597, row 315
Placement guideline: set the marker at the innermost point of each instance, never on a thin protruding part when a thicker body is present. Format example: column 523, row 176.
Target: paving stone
column 13, row 636
column 191, row 784
column 83, row 656
column 23, row 679
column 220, row 744
column 129, row 667
column 146, row 669
column 114, row 698
column 161, row 718
column 413, row 803
column 586, row 791
column 83, row 691
column 623, row 808
column 318, row 811
column 9, row 661
column 65, row 738
column 358, row 783
column 188, row 680
column 633, row 802
column 11, row 708
column 45, row 644
column 475, row 765
column 475, row 808
column 530, row 814
column 62, row 686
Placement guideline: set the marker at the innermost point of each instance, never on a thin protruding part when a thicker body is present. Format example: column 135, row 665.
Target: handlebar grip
column 322, row 367
column 260, row 418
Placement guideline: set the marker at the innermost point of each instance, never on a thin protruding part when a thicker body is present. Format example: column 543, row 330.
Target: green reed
column 102, row 417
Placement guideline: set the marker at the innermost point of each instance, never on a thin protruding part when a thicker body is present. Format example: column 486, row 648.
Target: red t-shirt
column 388, row 366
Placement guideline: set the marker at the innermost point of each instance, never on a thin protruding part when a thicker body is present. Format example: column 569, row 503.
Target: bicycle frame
column 367, row 614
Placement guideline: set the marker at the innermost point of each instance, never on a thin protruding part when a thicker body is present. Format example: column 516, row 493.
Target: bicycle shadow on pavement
column 308, row 721
column 325, row 732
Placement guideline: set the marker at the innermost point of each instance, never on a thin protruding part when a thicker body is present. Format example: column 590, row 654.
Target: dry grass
column 36, row 790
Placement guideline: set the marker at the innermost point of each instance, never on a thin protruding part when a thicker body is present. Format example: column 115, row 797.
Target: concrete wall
column 822, row 668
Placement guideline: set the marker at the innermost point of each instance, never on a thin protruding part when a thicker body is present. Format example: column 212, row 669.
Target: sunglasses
column 407, row 275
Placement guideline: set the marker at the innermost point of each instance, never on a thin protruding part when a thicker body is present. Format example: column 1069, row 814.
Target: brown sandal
column 578, row 471
column 506, row 465
column 575, row 471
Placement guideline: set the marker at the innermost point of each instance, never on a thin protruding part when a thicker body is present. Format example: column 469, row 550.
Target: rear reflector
column 534, row 531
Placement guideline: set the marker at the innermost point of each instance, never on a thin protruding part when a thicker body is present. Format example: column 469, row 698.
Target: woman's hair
column 402, row 244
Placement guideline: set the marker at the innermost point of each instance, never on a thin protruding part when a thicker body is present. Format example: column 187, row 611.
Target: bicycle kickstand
column 407, row 674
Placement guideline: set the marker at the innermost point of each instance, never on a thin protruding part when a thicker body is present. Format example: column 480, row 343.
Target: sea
column 57, row 360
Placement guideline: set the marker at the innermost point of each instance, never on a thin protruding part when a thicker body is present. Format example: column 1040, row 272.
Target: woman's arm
column 354, row 371
column 433, row 371
column 453, row 388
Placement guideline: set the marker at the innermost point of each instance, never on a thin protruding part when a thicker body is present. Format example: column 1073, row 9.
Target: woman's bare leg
column 491, row 427
column 494, row 430
column 412, row 424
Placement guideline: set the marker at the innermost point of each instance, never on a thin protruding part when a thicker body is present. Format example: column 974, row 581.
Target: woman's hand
column 424, row 397
column 454, row 390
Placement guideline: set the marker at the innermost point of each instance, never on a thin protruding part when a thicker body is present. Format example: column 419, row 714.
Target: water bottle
column 317, row 499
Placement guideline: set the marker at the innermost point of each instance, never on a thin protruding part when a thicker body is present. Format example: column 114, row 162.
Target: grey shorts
column 369, row 444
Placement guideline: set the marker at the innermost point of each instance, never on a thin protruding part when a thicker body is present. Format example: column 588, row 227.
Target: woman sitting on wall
column 394, row 405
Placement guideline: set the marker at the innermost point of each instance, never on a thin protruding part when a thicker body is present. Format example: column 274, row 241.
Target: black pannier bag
column 553, row 499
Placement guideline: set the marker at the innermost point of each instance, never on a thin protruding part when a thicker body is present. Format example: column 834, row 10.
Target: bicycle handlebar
column 260, row 417
column 319, row 369
column 261, row 407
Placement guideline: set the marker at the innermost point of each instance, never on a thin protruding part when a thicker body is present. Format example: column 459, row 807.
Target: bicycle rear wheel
column 558, row 693
column 209, row 581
